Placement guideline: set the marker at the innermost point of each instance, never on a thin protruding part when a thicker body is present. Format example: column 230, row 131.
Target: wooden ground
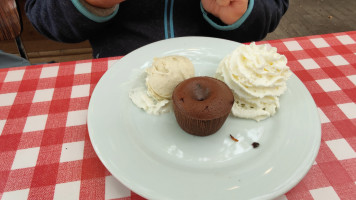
column 304, row 17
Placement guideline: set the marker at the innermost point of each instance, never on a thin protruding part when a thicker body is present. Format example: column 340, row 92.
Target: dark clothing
column 140, row 22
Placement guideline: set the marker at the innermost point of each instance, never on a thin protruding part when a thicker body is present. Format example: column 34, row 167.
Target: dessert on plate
column 161, row 78
column 257, row 75
column 201, row 105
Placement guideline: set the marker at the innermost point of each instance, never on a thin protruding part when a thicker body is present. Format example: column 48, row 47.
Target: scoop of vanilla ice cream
column 166, row 73
column 158, row 83
column 257, row 75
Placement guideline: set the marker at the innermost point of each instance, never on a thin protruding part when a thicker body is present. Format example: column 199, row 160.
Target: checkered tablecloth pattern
column 45, row 151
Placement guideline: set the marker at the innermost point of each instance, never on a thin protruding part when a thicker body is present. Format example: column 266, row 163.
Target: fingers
column 223, row 2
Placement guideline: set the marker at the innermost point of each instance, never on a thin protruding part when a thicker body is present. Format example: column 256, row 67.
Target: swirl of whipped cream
column 257, row 75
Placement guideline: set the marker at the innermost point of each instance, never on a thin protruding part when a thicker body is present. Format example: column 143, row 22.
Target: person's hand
column 228, row 11
column 104, row 3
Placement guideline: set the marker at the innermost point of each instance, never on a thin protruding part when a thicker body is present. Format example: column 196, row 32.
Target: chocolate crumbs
column 233, row 138
column 255, row 144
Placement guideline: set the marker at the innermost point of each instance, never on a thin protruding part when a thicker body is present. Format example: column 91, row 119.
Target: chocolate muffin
column 201, row 105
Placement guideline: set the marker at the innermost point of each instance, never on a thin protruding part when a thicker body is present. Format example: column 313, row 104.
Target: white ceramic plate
column 152, row 156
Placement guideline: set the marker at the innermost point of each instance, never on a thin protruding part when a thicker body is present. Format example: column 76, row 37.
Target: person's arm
column 259, row 18
column 68, row 20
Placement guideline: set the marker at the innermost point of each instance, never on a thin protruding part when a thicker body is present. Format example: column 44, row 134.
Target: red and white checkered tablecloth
column 45, row 151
